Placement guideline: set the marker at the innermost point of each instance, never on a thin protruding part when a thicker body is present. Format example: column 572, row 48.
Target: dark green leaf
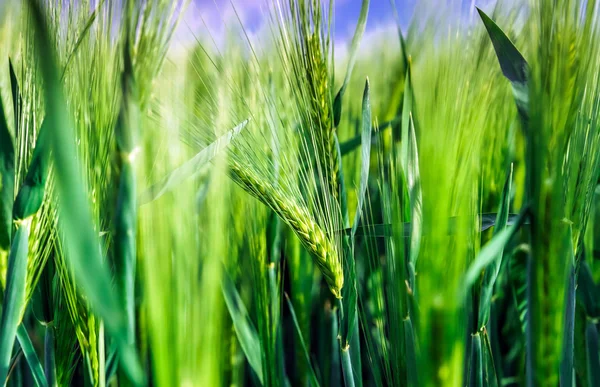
column 476, row 377
column 567, row 359
column 490, row 251
column 7, row 181
column 13, row 303
column 513, row 65
column 16, row 97
column 31, row 194
column 31, row 356
column 491, row 272
column 244, row 329
column 311, row 372
column 365, row 156
column 593, row 353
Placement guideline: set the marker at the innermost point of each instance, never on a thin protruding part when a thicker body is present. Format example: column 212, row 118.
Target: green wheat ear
column 298, row 217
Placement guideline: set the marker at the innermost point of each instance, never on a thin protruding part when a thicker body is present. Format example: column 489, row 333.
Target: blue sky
column 213, row 14
column 204, row 16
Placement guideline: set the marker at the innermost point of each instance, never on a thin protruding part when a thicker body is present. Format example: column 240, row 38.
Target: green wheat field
column 290, row 209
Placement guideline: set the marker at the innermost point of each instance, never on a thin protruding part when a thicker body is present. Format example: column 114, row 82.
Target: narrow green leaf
column 13, row 303
column 31, row 193
column 82, row 247
column 491, row 272
column 476, row 377
column 358, row 33
column 490, row 252
column 365, row 156
column 311, row 372
column 409, row 159
column 567, row 359
column 7, row 181
column 593, row 353
column 412, row 373
column 49, row 361
column 513, row 64
column 16, row 97
column 587, row 293
column 31, row 356
column 244, row 329
column 192, row 167
column 489, row 368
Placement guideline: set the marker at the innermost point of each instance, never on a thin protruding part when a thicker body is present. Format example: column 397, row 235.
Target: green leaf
column 16, row 97
column 567, row 359
column 365, row 156
column 513, row 64
column 49, row 359
column 491, row 272
column 358, row 33
column 244, row 329
column 411, row 353
column 82, row 246
column 490, row 251
column 409, row 161
column 7, row 181
column 31, row 356
column 349, row 340
column 587, row 293
column 31, row 193
column 13, row 303
column 476, row 377
column 593, row 353
column 311, row 372
column 192, row 167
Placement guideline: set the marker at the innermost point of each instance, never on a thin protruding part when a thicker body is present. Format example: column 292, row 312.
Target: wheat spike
column 300, row 220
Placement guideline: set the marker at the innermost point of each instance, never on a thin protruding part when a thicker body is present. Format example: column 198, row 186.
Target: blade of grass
column 490, row 252
column 593, row 353
column 491, row 272
column 7, row 181
column 365, row 157
column 31, row 193
column 244, row 329
column 83, row 253
column 31, row 356
column 412, row 377
column 16, row 97
column 513, row 64
column 14, row 295
column 476, row 377
column 192, row 167
column 567, row 360
column 311, row 372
